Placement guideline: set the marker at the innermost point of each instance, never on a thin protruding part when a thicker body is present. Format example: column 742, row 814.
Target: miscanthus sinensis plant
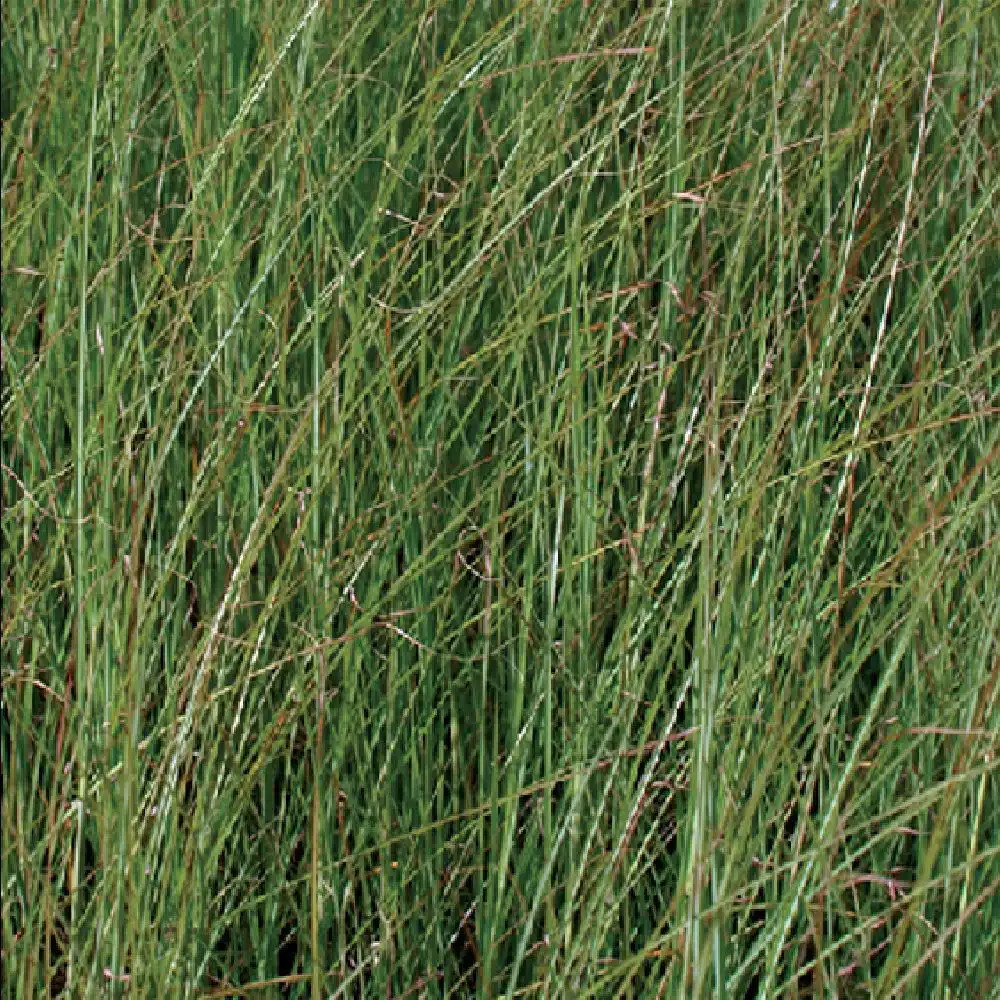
column 500, row 499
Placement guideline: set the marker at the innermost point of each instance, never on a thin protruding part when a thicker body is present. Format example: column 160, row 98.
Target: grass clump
column 499, row 500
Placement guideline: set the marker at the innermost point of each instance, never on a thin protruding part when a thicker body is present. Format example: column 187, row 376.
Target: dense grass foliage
column 500, row 499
